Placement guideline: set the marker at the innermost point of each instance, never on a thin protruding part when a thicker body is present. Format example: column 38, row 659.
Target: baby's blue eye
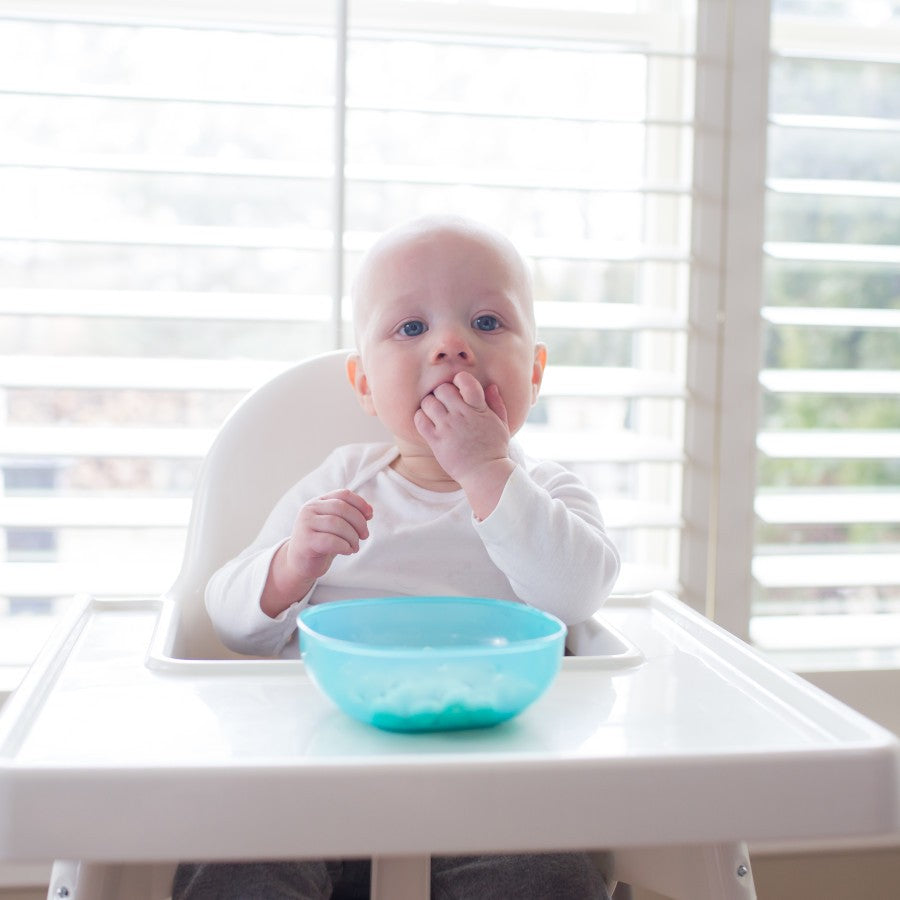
column 486, row 323
column 413, row 328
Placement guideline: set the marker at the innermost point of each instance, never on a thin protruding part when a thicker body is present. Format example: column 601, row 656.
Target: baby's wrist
column 284, row 586
column 484, row 485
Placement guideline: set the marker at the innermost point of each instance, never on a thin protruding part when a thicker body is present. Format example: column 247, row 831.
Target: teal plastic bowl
column 431, row 663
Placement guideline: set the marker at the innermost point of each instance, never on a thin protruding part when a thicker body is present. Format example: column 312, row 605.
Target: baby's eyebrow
column 408, row 297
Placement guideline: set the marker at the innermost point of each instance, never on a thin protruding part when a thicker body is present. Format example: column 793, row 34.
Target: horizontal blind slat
column 831, row 253
column 135, row 373
column 127, row 578
column 109, row 92
column 835, row 187
column 838, row 506
column 94, row 511
column 840, row 569
column 199, row 236
column 50, row 442
column 834, row 122
column 177, row 305
column 832, row 317
column 598, row 447
column 511, row 178
column 608, row 316
column 820, row 443
column 502, row 114
column 830, row 381
column 529, row 24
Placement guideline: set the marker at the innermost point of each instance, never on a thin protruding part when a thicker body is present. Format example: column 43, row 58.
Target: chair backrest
column 277, row 434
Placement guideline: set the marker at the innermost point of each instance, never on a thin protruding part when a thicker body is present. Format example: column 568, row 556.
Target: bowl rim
column 530, row 644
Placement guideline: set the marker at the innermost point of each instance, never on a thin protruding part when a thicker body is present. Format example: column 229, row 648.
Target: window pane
column 828, row 499
column 165, row 241
column 593, row 185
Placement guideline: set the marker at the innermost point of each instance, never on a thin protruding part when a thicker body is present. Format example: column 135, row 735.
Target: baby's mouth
column 448, row 379
column 437, row 384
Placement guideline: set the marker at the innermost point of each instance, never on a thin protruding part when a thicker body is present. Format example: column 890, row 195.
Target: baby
column 447, row 359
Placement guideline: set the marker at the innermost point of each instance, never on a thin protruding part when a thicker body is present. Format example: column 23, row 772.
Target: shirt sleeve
column 547, row 536
column 232, row 600
column 233, row 592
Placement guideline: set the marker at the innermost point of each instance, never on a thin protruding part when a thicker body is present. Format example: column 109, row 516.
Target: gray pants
column 536, row 876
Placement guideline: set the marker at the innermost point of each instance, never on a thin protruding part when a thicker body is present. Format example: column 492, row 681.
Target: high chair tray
column 691, row 737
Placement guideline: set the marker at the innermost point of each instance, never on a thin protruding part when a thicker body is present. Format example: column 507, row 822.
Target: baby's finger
column 334, row 508
column 470, row 389
column 424, row 425
column 495, row 403
column 353, row 499
column 335, row 532
column 435, row 406
column 322, row 545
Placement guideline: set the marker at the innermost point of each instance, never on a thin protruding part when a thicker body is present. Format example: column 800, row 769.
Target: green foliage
column 803, row 473
column 834, row 220
column 790, row 347
column 862, row 535
column 825, row 411
column 832, row 285
column 833, row 87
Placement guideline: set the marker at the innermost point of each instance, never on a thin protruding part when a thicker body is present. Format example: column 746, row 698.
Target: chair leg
column 401, row 878
column 707, row 872
column 79, row 880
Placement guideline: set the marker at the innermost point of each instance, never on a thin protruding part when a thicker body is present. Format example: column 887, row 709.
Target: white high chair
column 277, row 434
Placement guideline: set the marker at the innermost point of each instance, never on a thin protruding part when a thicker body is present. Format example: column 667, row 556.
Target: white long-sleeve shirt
column 544, row 544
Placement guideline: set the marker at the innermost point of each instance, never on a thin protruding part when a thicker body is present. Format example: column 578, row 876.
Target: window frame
column 726, row 292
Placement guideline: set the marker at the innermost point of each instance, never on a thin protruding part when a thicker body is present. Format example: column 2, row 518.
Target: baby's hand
column 328, row 526
column 465, row 426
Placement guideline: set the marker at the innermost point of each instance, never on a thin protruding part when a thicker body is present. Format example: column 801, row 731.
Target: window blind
column 828, row 499
column 187, row 190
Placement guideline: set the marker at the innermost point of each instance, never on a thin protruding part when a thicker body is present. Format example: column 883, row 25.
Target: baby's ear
column 537, row 373
column 360, row 383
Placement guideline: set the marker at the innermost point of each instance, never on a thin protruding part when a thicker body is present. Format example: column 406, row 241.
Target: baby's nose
column 450, row 344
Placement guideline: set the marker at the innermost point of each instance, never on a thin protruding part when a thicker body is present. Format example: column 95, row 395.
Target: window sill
column 855, row 659
column 816, row 643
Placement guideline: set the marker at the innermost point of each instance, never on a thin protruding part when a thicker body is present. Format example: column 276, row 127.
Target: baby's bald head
column 440, row 232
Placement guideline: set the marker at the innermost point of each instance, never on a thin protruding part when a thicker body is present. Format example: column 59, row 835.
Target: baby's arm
column 233, row 593
column 547, row 536
column 543, row 528
column 466, row 428
column 327, row 526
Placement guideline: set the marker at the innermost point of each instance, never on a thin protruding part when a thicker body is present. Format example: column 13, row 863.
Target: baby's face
column 437, row 303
